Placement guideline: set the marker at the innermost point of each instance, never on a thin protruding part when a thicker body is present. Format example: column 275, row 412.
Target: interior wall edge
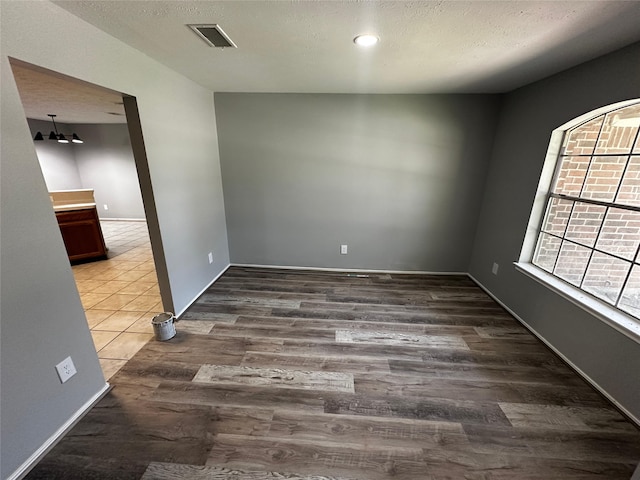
column 184, row 309
column 139, row 152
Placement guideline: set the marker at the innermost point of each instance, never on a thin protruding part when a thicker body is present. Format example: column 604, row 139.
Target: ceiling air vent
column 213, row 35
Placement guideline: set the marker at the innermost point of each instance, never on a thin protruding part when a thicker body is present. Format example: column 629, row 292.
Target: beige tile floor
column 120, row 294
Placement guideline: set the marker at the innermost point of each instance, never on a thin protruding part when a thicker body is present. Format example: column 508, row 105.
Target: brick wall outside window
column 594, row 246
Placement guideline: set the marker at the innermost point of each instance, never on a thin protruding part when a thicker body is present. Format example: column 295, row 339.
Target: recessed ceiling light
column 366, row 40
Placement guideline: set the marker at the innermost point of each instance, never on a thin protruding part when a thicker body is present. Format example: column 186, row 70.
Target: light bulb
column 366, row 40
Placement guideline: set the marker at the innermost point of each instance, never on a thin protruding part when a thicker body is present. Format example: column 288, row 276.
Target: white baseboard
column 36, row 456
column 122, row 219
column 574, row 367
column 201, row 292
column 346, row 270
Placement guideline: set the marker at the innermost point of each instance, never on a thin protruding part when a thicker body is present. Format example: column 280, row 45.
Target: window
column 589, row 236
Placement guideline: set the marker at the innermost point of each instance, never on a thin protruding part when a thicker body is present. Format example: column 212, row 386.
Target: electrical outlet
column 210, row 257
column 106, row 207
column 494, row 269
column 343, row 250
column 66, row 369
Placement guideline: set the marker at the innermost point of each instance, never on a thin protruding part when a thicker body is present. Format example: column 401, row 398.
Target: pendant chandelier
column 54, row 135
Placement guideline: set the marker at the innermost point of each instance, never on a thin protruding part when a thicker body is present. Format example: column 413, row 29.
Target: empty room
column 395, row 240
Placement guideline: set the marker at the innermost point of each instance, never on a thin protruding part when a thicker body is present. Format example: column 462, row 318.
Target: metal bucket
column 163, row 326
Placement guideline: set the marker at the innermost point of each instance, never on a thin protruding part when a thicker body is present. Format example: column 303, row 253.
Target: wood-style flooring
column 312, row 375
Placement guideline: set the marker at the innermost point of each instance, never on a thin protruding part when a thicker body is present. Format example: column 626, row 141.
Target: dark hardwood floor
column 311, row 375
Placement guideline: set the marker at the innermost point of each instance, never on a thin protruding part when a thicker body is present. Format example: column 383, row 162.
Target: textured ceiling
column 425, row 46
column 306, row 46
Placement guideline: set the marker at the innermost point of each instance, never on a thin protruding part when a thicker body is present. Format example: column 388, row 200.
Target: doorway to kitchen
column 118, row 288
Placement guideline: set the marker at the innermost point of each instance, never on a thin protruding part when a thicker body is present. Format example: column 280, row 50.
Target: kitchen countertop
column 74, row 206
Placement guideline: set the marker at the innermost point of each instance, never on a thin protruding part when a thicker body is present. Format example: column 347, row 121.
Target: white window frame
column 624, row 323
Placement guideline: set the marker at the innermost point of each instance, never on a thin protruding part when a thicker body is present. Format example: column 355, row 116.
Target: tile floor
column 120, row 294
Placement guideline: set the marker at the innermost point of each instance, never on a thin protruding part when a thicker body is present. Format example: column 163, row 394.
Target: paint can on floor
column 163, row 326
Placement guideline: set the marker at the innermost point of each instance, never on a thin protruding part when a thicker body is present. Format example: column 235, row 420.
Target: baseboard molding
column 31, row 462
column 346, row 270
column 202, row 291
column 574, row 367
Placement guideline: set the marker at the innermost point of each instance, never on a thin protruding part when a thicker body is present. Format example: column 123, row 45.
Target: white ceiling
column 425, row 46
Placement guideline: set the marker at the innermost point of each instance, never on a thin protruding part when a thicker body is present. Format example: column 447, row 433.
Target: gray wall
column 526, row 122
column 104, row 162
column 57, row 160
column 398, row 178
column 42, row 320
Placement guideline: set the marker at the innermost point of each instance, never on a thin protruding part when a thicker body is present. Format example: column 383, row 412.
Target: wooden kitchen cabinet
column 82, row 234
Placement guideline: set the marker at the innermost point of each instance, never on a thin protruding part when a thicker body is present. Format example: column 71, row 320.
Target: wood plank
column 247, row 299
column 319, row 347
column 320, row 363
column 502, row 332
column 196, row 313
column 439, row 409
column 505, row 358
column 275, row 377
column 587, row 445
column 271, row 332
column 318, row 458
column 420, row 387
column 402, row 339
column 450, row 464
column 560, row 417
column 167, row 431
column 238, row 396
column 259, row 293
column 380, row 431
column 355, row 325
column 176, row 471
column 485, row 372
column 390, row 314
column 59, row 466
column 198, row 327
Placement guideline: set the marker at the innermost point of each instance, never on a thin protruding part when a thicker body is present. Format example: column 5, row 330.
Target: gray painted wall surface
column 527, row 119
column 42, row 318
column 104, row 162
column 398, row 178
column 57, row 160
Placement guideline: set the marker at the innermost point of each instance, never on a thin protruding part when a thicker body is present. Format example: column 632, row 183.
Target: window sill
column 625, row 324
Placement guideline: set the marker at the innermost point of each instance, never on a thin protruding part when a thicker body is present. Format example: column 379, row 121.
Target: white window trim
column 625, row 324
